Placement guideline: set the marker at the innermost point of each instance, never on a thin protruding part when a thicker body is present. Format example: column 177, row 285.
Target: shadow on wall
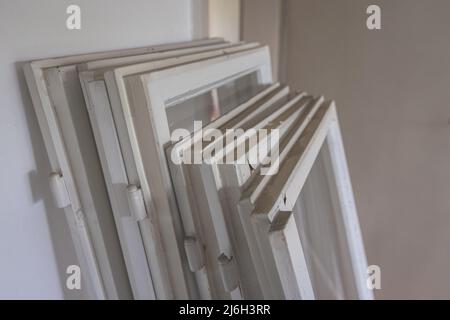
column 59, row 230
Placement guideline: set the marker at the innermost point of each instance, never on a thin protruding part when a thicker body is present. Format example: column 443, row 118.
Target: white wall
column 392, row 91
column 34, row 238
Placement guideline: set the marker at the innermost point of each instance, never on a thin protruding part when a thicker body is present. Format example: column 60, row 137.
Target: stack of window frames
column 146, row 227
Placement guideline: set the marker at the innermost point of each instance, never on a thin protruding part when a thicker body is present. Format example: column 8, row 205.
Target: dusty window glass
column 320, row 232
column 209, row 105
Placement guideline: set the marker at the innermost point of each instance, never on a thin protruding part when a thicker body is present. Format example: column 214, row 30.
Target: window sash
column 59, row 149
column 143, row 97
column 116, row 158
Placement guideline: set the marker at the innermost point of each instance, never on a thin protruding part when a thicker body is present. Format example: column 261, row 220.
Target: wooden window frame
column 191, row 211
column 174, row 277
column 264, row 199
column 131, row 232
column 71, row 194
column 213, row 180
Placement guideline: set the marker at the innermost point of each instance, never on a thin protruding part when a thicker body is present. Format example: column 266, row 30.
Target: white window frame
column 281, row 235
column 213, row 180
column 151, row 89
column 264, row 204
column 111, row 157
column 123, row 173
column 195, row 226
column 274, row 265
column 74, row 195
column 234, row 177
column 127, row 93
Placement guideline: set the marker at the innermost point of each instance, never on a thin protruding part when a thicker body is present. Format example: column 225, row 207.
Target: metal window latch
column 136, row 202
column 228, row 271
column 59, row 190
column 194, row 253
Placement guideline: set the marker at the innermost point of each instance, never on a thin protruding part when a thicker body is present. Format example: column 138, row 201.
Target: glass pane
column 321, row 235
column 208, row 106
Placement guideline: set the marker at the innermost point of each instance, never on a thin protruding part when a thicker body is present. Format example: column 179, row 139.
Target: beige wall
column 261, row 22
column 224, row 19
column 392, row 89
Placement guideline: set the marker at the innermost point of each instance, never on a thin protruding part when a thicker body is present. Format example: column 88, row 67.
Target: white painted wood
column 119, row 118
column 53, row 142
column 59, row 191
column 201, row 250
column 253, row 106
column 59, row 160
column 229, row 273
column 254, row 190
column 88, row 180
column 340, row 183
column 116, row 178
column 262, row 121
column 342, row 267
column 81, row 58
column 262, row 220
column 276, row 120
column 249, row 260
column 98, row 103
column 255, row 227
column 209, row 224
column 306, row 150
column 289, row 258
column 138, row 270
column 271, row 117
column 65, row 130
column 156, row 157
column 259, row 102
column 194, row 253
column 260, row 225
column 99, row 67
column 180, row 173
column 219, row 229
column 233, row 179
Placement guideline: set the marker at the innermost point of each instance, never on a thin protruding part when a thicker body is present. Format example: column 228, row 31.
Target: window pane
column 208, row 106
column 322, row 238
